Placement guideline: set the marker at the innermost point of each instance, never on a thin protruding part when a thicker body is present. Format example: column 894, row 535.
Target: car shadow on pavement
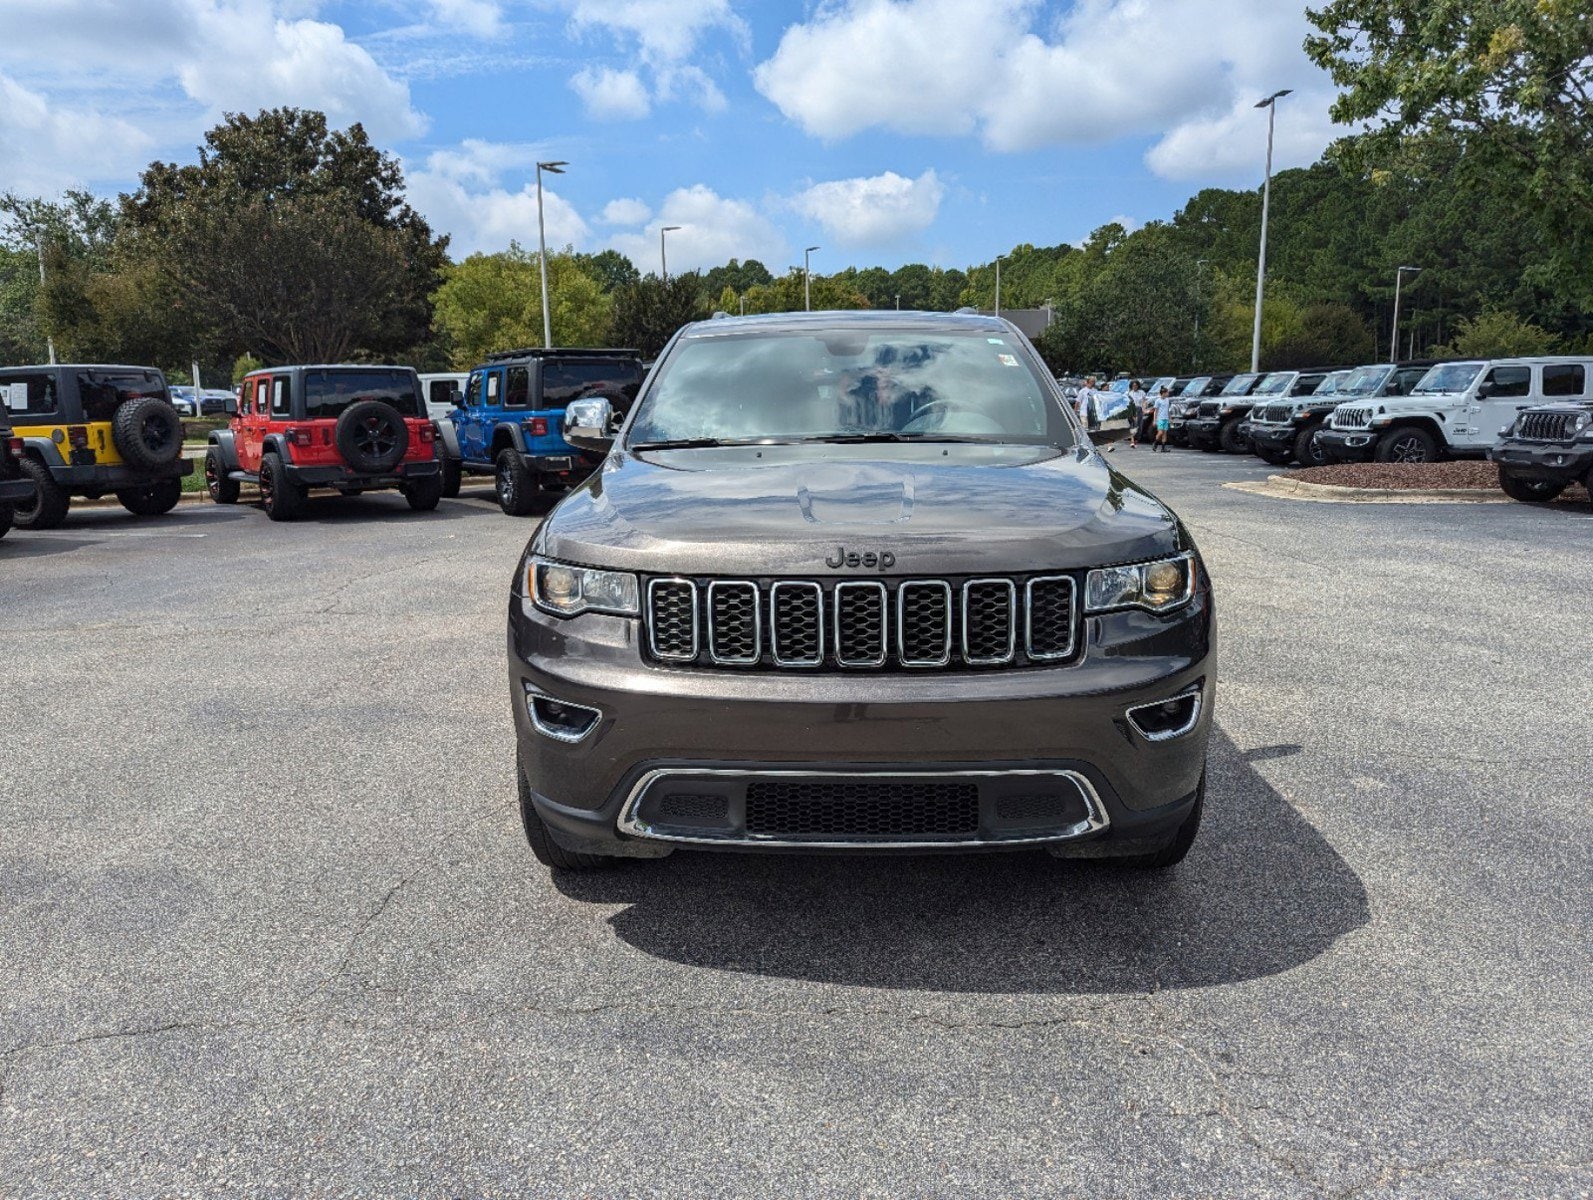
column 1261, row 892
column 13, row 546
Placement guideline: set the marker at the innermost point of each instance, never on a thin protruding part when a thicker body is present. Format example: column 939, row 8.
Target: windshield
column 841, row 384
column 1196, row 385
column 1333, row 385
column 1120, row 385
column 1450, row 377
column 1364, row 381
column 1239, row 385
column 328, row 393
column 1275, row 384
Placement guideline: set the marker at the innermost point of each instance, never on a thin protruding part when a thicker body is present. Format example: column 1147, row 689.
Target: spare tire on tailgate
column 372, row 436
column 148, row 433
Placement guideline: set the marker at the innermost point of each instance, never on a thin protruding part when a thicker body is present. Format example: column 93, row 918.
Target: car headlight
column 1582, row 425
column 1154, row 586
column 568, row 591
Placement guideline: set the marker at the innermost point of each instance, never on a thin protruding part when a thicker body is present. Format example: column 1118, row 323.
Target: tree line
column 291, row 241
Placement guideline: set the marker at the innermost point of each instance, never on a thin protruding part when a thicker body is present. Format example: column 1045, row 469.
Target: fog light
column 559, row 719
column 1163, row 720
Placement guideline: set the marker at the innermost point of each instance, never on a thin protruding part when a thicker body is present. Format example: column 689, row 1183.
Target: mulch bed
column 1469, row 475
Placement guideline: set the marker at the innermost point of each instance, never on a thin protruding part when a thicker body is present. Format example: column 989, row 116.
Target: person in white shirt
column 1137, row 401
column 1164, row 410
column 1084, row 401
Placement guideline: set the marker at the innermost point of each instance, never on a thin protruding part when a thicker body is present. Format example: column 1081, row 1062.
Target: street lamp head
column 1276, row 96
column 1412, row 270
column 669, row 229
column 553, row 168
column 811, row 249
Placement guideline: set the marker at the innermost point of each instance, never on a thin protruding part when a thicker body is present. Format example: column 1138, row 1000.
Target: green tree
column 1497, row 334
column 610, row 268
column 648, row 312
column 788, row 294
column 494, row 302
column 1321, row 335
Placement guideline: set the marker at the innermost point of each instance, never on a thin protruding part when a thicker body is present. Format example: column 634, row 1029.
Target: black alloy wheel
column 1308, row 450
column 222, row 490
column 1407, row 445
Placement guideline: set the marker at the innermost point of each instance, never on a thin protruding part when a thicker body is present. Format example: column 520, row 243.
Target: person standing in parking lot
column 1085, row 401
column 1137, row 401
column 1164, row 410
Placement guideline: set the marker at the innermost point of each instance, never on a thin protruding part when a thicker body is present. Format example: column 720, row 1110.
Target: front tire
column 1177, row 846
column 1278, row 458
column 1406, row 445
column 50, row 500
column 548, row 852
column 1230, row 439
column 279, row 496
column 1529, row 491
column 1308, row 450
column 451, row 474
column 155, row 500
column 516, row 487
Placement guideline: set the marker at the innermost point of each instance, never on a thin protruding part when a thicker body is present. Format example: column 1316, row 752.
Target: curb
column 1285, row 488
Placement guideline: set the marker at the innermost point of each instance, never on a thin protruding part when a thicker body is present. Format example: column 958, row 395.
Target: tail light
column 428, row 432
column 538, row 426
column 14, row 445
column 78, row 436
column 301, row 437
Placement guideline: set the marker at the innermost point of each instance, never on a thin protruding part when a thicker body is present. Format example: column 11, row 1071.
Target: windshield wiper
column 851, row 439
column 693, row 443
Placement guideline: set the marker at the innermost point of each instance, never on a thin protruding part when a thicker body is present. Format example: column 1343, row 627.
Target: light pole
column 38, row 244
column 999, row 257
column 807, row 278
column 663, row 261
column 552, row 168
column 1271, row 105
column 1393, row 339
column 898, row 302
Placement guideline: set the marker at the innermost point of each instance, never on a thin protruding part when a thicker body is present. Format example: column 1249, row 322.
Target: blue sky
column 883, row 131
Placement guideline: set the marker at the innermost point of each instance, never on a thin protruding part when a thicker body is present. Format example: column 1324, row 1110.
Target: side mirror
column 1485, row 389
column 230, row 406
column 589, row 423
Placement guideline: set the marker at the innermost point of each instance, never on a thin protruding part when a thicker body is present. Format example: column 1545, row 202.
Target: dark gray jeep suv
column 857, row 581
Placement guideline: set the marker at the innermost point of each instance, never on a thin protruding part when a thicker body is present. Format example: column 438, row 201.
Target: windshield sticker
column 995, row 341
column 1007, row 360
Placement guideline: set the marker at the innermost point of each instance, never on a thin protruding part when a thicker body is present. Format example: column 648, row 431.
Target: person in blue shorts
column 1164, row 408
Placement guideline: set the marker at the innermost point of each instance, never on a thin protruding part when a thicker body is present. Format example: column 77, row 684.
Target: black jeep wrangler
column 93, row 430
column 1215, row 425
column 1546, row 450
column 14, row 489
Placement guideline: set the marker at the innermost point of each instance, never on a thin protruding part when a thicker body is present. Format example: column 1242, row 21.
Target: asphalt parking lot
column 271, row 924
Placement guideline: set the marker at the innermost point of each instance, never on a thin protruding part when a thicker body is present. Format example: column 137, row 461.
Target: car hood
column 935, row 509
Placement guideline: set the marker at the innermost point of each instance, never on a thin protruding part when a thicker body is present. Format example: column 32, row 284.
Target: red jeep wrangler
column 353, row 428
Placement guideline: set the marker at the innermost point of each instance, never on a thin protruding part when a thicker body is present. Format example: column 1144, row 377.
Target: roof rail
column 562, row 352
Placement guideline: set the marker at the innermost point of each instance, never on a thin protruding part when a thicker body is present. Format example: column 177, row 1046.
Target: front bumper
column 714, row 732
column 1273, row 437
column 346, row 477
column 1354, row 445
column 1203, row 431
column 1547, row 462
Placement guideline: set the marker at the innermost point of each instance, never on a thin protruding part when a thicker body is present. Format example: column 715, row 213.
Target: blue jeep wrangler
column 509, row 420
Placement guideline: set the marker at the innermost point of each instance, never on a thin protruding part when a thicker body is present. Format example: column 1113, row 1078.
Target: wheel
column 50, row 501
column 1177, row 846
column 279, row 495
column 1407, row 444
column 158, row 498
column 148, row 433
column 222, row 490
column 424, row 493
column 450, row 475
column 6, row 517
column 1230, row 439
column 516, row 488
column 1529, row 491
column 1278, row 458
column 371, row 436
column 1308, row 450
column 548, row 852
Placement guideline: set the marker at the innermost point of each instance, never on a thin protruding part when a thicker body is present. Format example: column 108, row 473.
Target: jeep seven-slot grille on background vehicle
column 861, row 624
column 1352, row 418
column 1545, row 426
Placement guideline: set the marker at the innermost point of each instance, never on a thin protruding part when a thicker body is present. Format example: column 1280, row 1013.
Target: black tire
column 155, row 500
column 50, row 501
column 148, row 433
column 451, row 474
column 222, row 490
column 424, row 493
column 372, row 437
column 517, row 489
column 7, row 515
column 1177, row 846
column 1308, row 451
column 1407, row 444
column 548, row 852
column 1230, row 439
column 1529, row 491
column 281, row 498
column 1278, row 458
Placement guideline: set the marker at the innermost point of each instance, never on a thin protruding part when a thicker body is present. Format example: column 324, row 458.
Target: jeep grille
column 1352, row 418
column 1545, row 426
column 860, row 624
column 1208, row 408
column 1275, row 414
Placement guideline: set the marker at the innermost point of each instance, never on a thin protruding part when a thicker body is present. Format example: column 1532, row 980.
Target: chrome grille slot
column 923, row 623
column 735, row 622
column 1546, row 426
column 1048, row 607
column 860, row 635
column 796, row 624
column 1352, row 418
column 672, row 619
column 989, row 627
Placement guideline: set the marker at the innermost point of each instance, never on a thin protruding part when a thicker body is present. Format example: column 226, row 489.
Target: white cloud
column 625, row 211
column 45, row 149
column 997, row 69
column 667, row 31
column 875, row 210
column 481, row 18
column 488, row 217
column 611, row 95
column 713, row 230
